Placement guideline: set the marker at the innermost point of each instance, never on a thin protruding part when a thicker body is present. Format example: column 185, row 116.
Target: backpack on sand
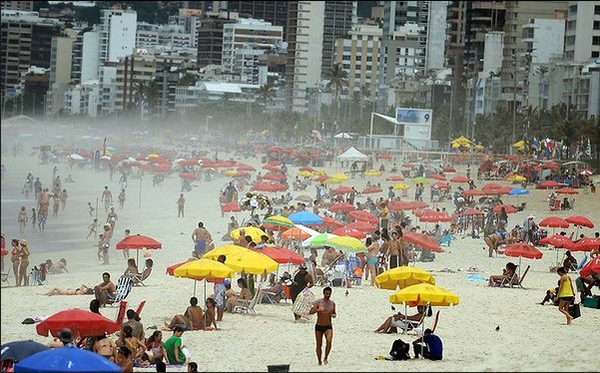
column 400, row 350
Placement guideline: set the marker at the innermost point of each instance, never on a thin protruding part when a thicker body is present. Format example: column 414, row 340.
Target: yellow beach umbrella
column 519, row 145
column 372, row 173
column 279, row 221
column 305, row 173
column 403, row 277
column 423, row 294
column 205, row 268
column 230, row 172
column 333, row 180
column 253, row 232
column 401, row 186
column 516, row 179
column 153, row 156
column 340, row 176
column 227, row 250
column 251, row 262
column 319, row 173
column 461, row 140
column 346, row 243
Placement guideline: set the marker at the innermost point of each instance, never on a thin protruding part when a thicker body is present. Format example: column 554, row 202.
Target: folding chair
column 247, row 307
column 124, row 286
column 138, row 278
column 519, row 284
column 4, row 277
column 446, row 239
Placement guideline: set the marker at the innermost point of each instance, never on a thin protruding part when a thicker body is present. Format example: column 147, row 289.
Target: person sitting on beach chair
column 138, row 278
column 402, row 322
column 509, row 275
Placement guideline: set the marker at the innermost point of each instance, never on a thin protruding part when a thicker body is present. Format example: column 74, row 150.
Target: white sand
column 531, row 337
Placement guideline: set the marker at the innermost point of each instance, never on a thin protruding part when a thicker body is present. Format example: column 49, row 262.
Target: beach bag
column 304, row 302
column 575, row 310
column 400, row 350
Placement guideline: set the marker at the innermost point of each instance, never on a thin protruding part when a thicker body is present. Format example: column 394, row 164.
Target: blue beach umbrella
column 306, row 218
column 66, row 359
column 518, row 192
column 19, row 350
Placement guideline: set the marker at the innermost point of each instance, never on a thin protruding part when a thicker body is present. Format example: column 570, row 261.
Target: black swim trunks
column 322, row 328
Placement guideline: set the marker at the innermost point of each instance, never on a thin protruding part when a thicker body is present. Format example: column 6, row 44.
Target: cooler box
column 591, row 302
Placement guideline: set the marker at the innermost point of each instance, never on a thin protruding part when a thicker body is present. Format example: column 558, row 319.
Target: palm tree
column 338, row 78
column 569, row 133
column 592, row 132
column 266, row 93
column 365, row 92
column 187, row 80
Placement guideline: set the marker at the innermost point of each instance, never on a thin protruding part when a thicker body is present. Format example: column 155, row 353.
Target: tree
column 266, row 93
column 365, row 92
column 338, row 78
column 187, row 80
column 569, row 133
column 592, row 133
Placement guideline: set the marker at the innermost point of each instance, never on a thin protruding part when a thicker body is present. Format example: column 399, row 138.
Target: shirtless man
column 241, row 240
column 325, row 310
column 395, row 248
column 201, row 238
column 45, row 200
column 105, row 289
column 180, row 206
column 106, row 198
column 192, row 317
column 111, row 218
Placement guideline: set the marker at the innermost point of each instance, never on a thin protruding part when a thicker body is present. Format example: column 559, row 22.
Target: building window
column 515, row 15
column 597, row 10
column 514, row 27
column 596, row 40
column 595, row 54
column 596, row 25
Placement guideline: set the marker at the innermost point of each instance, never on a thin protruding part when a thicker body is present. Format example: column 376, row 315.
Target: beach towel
column 475, row 277
column 304, row 302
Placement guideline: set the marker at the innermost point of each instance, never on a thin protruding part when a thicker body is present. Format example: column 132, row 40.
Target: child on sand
column 92, row 228
column 91, row 209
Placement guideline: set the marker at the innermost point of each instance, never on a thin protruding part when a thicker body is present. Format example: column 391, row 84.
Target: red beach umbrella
column 138, row 242
column 341, row 206
column 239, row 174
column 273, row 253
column 330, row 222
column 566, row 191
column 188, row 176
column 473, row 212
column 449, row 169
column 269, row 187
column 271, row 167
column 509, row 209
column 524, row 250
column 400, row 205
column 292, row 256
column 436, row 218
column 231, row 207
column 362, row 226
column 551, row 165
column 557, row 240
column 554, row 222
column 245, row 167
column 581, row 221
column 345, row 231
column 472, row 192
column 274, row 177
column 586, row 244
column 491, row 186
column 550, row 184
column 372, row 189
column 422, row 240
column 321, row 178
column 385, row 156
column 308, row 169
column 363, row 216
column 82, row 323
column 436, row 177
column 441, row 185
column 459, row 179
column 395, row 178
column 593, row 266
column 343, row 190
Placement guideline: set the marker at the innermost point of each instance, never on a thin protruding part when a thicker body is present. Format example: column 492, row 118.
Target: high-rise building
column 244, row 41
column 274, row 12
column 17, row 5
column 26, row 41
column 131, row 71
column 189, row 19
column 165, row 35
column 359, row 55
column 210, row 37
column 339, row 18
column 117, row 33
column 61, row 56
column 304, row 61
column 583, row 31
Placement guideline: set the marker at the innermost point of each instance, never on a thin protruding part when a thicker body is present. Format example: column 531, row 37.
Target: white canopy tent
column 352, row 154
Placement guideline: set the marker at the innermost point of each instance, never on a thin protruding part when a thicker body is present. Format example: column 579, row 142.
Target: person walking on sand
column 33, row 217
column 112, row 218
column 92, row 229
column 325, row 310
column 91, row 209
column 121, row 199
column 106, row 198
column 63, row 199
column 126, row 251
column 566, row 295
column 202, row 239
column 180, row 206
column 55, row 205
column 22, row 219
column 24, row 255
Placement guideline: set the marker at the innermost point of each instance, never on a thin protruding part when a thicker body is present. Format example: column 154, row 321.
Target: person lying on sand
column 507, row 275
column 392, row 323
column 82, row 290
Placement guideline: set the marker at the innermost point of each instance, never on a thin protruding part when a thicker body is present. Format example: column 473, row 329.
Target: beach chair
column 247, row 307
column 447, row 239
column 271, row 296
column 138, row 278
column 413, row 326
column 124, row 286
column 519, row 284
column 4, row 277
column 37, row 276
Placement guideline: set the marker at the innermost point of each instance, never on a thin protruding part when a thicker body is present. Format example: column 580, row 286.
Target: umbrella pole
column 205, row 291
column 195, row 287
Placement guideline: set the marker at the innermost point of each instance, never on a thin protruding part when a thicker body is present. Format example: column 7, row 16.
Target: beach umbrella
column 231, row 207
column 306, row 218
column 341, row 206
column 351, row 232
column 415, row 205
column 347, row 244
column 473, row 211
column 421, row 212
column 441, row 185
column 394, row 178
column 551, row 165
column 245, row 167
column 81, row 322
column 566, row 191
column 423, row 241
column 363, row 215
column 581, row 221
column 436, row 177
column 423, row 294
column 274, row 177
column 202, row 269
column 436, row 218
column 491, row 186
column 558, row 241
column 343, row 190
column 230, row 172
column 171, row 269
column 269, row 187
column 188, row 176
column 304, row 198
column 317, row 240
column 321, row 178
column 340, row 176
column 554, row 222
column 333, row 180
column 372, row 173
column 402, row 277
column 280, row 254
column 305, row 173
column 591, row 267
column 362, row 226
column 248, row 261
column 522, row 250
column 295, row 233
column 472, row 192
column 518, row 192
column 227, row 250
column 306, row 168
column 421, row 180
column 138, row 242
column 253, row 232
column 516, row 179
column 277, row 222
column 586, row 244
column 66, row 359
column 550, row 184
column 19, row 350
column 271, row 167
column 508, row 208
column 331, row 222
column 459, row 179
column 399, row 205
column 372, row 189
column 401, row 186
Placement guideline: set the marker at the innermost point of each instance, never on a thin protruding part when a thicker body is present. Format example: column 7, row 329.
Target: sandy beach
column 531, row 337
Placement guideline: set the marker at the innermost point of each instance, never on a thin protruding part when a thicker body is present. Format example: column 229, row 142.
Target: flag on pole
column 534, row 144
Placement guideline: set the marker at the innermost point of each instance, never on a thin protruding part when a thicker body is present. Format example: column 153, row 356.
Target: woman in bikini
column 154, row 351
column 105, row 347
column 209, row 314
column 134, row 345
column 373, row 250
column 16, row 259
column 24, row 254
column 82, row 290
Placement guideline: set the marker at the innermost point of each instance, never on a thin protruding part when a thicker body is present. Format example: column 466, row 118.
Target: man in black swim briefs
column 325, row 310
